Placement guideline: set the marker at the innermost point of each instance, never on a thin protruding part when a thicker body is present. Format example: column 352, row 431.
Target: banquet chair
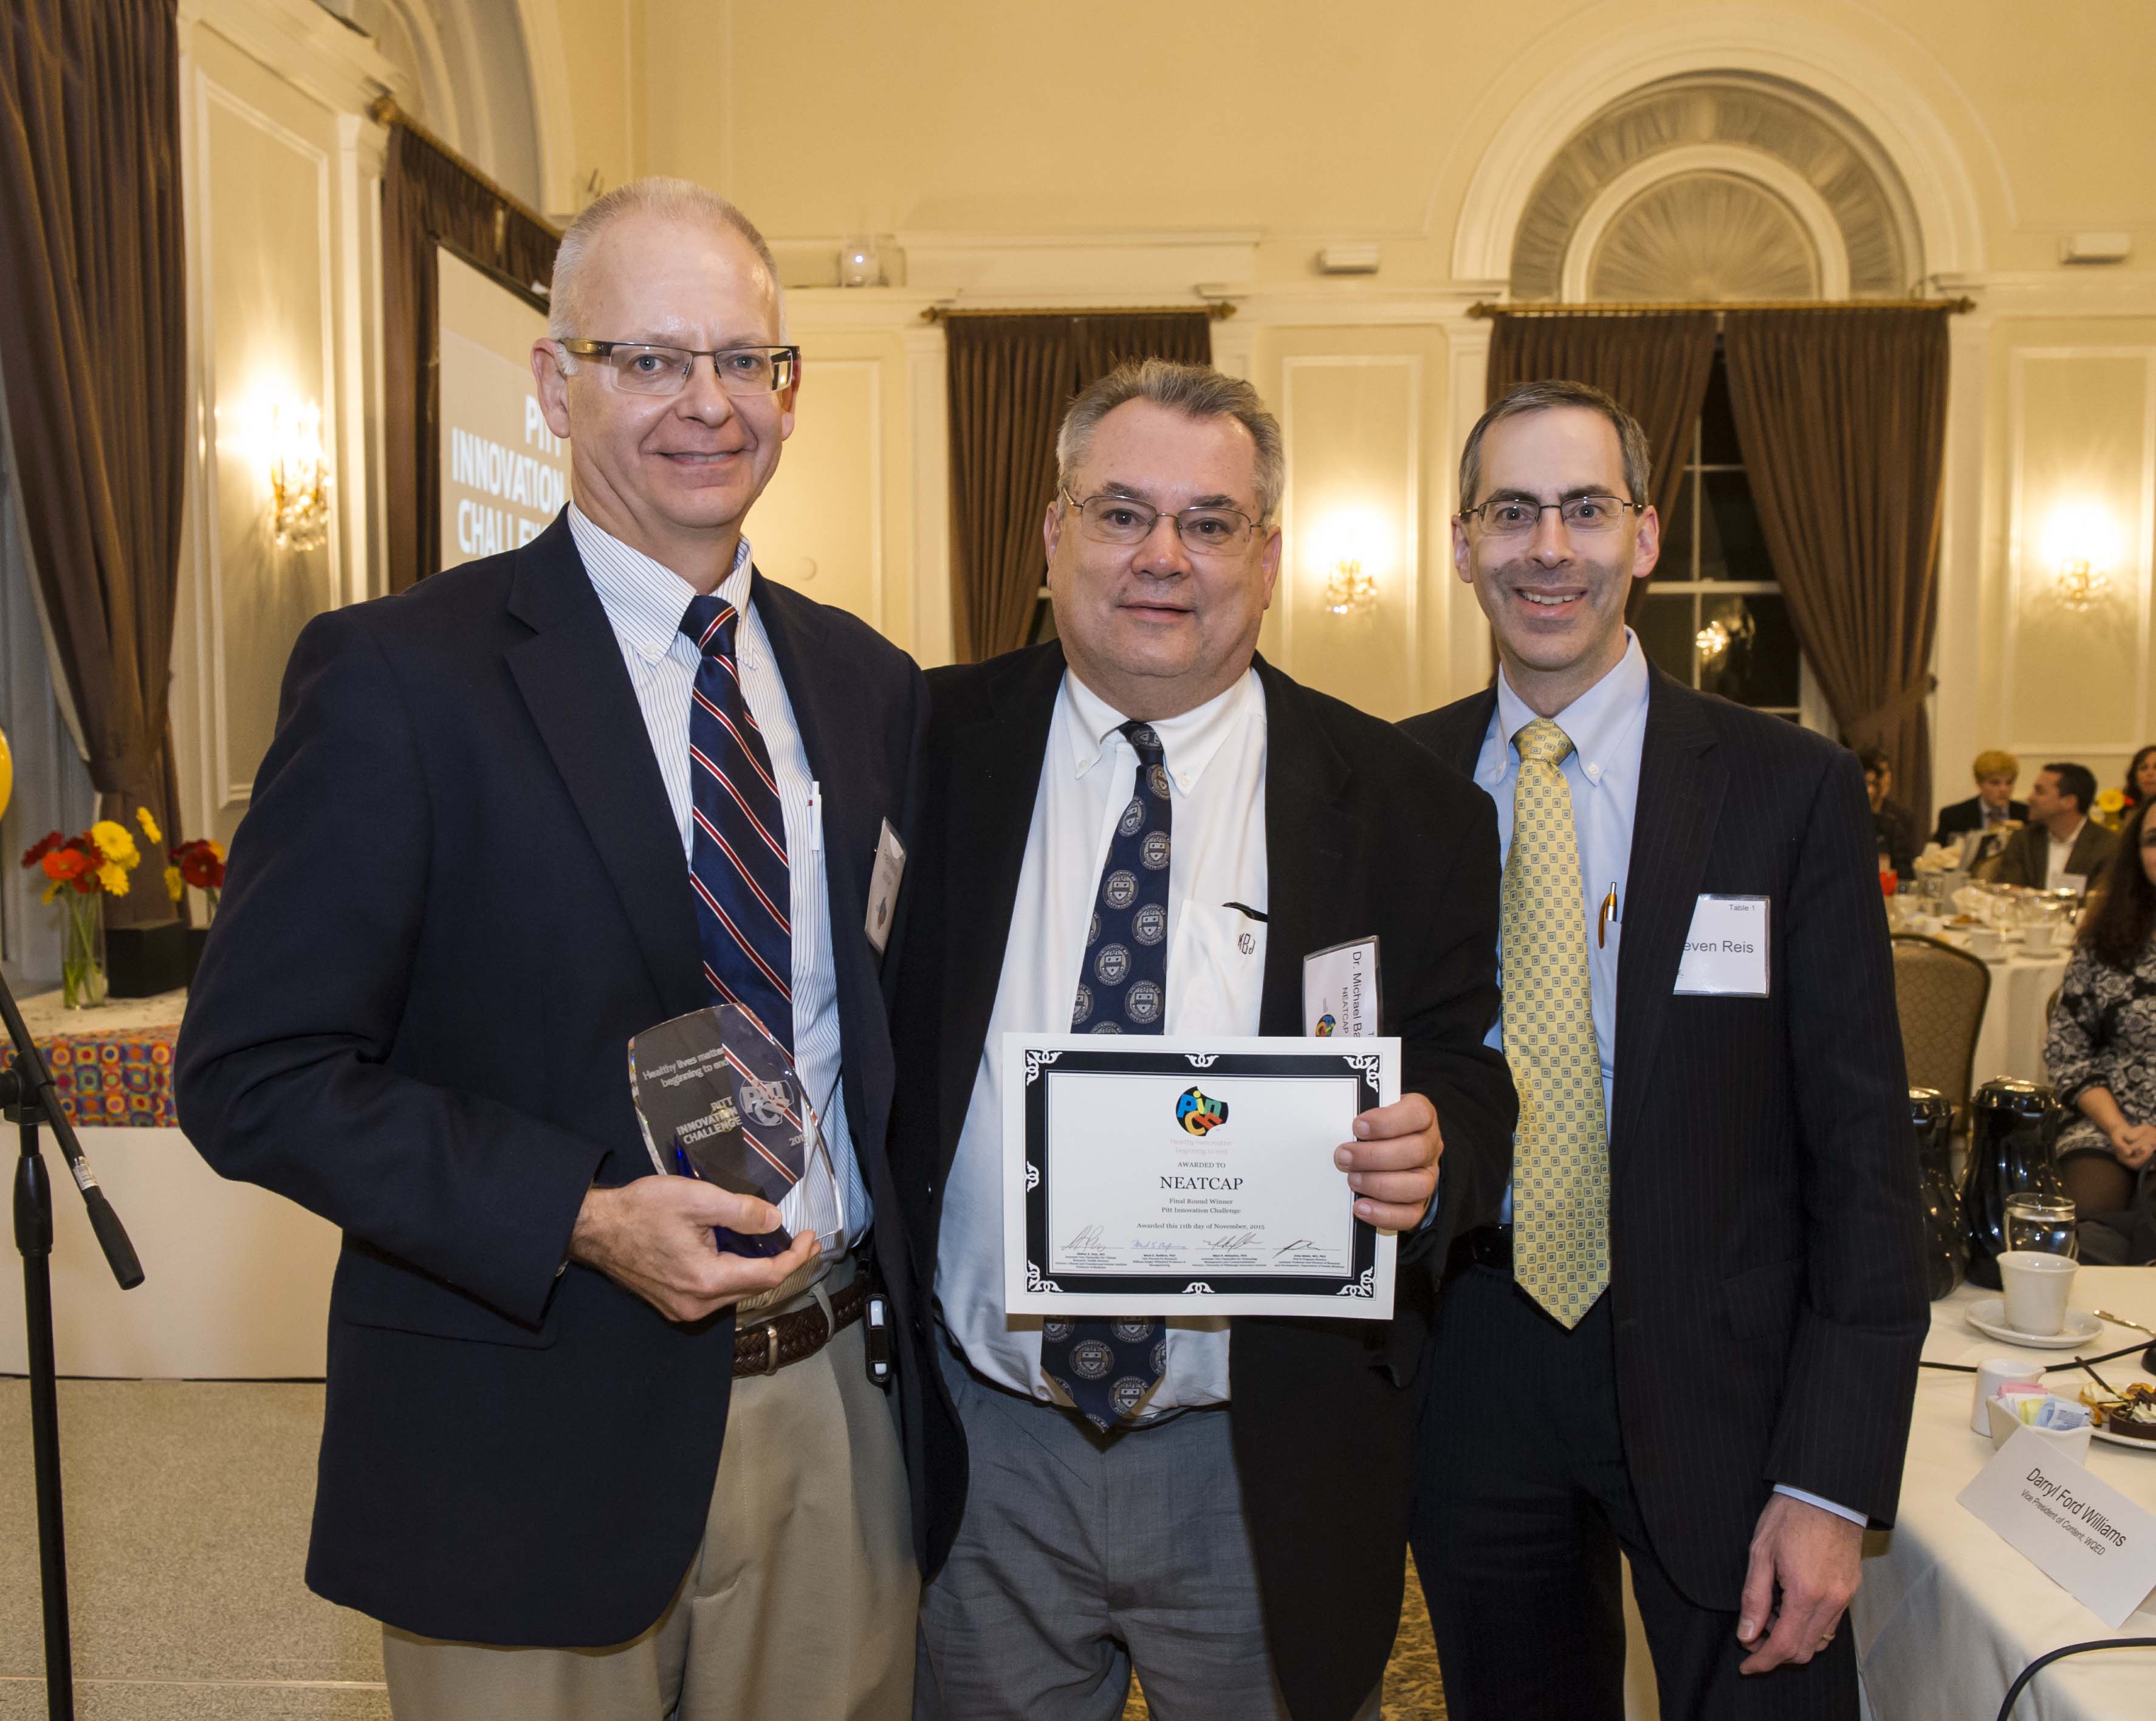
column 1940, row 992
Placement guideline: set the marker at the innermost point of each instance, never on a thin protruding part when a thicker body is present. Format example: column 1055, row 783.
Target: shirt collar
column 1595, row 721
column 2071, row 838
column 1188, row 743
column 643, row 599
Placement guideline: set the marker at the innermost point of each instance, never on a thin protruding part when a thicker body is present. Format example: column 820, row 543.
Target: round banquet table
column 1949, row 1613
column 2010, row 1040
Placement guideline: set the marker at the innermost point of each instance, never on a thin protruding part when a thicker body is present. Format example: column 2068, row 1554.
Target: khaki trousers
column 800, row 1602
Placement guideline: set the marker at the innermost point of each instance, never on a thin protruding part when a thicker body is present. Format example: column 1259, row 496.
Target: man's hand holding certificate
column 1239, row 1176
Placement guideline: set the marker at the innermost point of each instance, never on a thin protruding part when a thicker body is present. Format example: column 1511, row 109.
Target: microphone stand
column 28, row 1098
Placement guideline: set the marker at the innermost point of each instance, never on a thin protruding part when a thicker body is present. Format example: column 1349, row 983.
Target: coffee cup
column 1986, row 941
column 2036, row 940
column 2037, row 1286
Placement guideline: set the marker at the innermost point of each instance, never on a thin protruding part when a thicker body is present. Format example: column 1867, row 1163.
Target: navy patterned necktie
column 1109, row 1366
column 737, row 852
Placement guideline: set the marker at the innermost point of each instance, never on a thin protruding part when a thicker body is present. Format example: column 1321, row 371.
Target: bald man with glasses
column 582, row 1464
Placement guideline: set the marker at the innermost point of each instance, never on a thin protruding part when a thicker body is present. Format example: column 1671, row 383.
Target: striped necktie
column 737, row 853
column 1109, row 1366
column 1561, row 1147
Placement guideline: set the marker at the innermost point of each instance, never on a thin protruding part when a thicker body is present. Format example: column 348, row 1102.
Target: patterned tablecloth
column 113, row 1065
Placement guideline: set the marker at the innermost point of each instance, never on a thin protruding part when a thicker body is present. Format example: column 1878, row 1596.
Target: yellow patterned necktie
column 1561, row 1150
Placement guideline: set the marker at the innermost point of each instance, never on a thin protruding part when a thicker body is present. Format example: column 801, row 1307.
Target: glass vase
column 82, row 953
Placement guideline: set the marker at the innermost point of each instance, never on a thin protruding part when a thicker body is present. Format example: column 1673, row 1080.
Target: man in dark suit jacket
column 1242, row 1546
column 1993, row 803
column 2061, row 847
column 464, row 882
column 1696, row 1338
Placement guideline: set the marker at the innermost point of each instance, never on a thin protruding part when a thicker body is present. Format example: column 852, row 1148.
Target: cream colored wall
column 1136, row 154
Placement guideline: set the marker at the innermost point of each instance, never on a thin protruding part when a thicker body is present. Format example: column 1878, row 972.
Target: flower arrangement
column 81, row 871
column 199, row 863
column 2111, row 808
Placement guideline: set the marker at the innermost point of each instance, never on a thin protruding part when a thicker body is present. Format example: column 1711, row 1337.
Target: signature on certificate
column 1089, row 1238
column 1232, row 1240
column 1299, row 1243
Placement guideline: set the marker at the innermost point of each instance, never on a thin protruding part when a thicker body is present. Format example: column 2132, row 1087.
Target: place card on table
column 2077, row 1529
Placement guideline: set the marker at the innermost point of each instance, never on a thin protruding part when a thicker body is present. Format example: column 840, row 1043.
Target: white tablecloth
column 1948, row 1614
column 2010, row 1042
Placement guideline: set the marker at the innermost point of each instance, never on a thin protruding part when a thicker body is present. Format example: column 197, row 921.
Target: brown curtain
column 430, row 197
column 1011, row 379
column 92, row 272
column 1842, row 414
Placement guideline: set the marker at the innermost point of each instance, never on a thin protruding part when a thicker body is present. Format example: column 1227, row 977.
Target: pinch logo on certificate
column 1177, row 1176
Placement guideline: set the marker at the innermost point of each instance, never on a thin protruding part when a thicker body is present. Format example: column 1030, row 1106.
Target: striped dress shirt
column 644, row 601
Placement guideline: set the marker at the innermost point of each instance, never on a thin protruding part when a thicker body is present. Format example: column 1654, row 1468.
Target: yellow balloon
column 6, row 773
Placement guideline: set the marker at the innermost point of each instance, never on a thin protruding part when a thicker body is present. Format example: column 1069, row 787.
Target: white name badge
column 1340, row 991
column 2078, row 1530
column 1725, row 952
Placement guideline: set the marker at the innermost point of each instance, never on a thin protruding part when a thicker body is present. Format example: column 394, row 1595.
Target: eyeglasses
column 1204, row 532
column 1516, row 516
column 638, row 367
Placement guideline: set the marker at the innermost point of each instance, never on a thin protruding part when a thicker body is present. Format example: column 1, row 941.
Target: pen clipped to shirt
column 1608, row 912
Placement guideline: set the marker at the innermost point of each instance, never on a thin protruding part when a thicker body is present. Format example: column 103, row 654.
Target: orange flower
column 62, row 865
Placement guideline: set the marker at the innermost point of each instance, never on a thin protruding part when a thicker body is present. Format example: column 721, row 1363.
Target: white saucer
column 2123, row 1440
column 1988, row 1315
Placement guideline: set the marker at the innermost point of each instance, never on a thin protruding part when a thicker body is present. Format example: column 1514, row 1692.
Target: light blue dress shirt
column 1607, row 725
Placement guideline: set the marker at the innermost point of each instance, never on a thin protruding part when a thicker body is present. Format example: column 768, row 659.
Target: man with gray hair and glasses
column 1141, row 827
column 1693, row 1334
column 582, row 1463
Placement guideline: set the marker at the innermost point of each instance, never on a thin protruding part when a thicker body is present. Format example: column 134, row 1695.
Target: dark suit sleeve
column 1449, row 999
column 283, row 1076
column 2021, row 852
column 1844, row 1416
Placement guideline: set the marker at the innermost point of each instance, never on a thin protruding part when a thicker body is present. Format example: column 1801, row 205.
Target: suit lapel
column 796, row 630
column 571, row 674
column 1681, row 789
column 993, row 774
column 1306, row 833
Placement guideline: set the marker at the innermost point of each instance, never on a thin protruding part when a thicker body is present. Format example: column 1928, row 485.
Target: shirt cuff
column 1859, row 1519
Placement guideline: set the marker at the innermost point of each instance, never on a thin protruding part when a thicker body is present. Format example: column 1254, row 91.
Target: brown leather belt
column 768, row 1346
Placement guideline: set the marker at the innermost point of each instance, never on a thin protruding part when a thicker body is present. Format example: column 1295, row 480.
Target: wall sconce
column 1347, row 545
column 299, row 475
column 2081, row 543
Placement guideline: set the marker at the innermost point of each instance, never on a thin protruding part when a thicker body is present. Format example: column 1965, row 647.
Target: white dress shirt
column 2055, row 875
column 644, row 601
column 1215, row 758
column 1608, row 727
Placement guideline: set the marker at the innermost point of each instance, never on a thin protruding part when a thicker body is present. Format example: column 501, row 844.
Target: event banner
column 504, row 474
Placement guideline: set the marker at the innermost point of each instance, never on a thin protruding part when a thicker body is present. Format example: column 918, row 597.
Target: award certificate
column 1173, row 1176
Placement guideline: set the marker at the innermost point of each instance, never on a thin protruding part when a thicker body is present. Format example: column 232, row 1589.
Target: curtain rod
column 383, row 110
column 1218, row 309
column 1490, row 308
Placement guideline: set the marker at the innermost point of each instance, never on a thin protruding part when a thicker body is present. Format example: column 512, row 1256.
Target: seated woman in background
column 2101, row 1048
column 2141, row 777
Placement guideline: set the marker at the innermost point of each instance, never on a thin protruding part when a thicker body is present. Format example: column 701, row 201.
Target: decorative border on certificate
column 1224, row 1203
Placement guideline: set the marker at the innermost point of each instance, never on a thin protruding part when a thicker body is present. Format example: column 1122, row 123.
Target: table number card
column 2078, row 1530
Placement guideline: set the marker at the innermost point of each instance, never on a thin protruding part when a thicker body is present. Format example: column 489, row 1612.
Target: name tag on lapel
column 1725, row 952
column 883, row 885
column 1340, row 990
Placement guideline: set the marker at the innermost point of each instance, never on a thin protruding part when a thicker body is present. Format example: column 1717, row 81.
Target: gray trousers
column 1081, row 1556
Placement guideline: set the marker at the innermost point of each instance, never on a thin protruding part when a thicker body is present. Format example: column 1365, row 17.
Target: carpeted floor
column 187, row 1505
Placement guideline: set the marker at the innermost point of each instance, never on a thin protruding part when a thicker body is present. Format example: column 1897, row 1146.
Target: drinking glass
column 2042, row 1224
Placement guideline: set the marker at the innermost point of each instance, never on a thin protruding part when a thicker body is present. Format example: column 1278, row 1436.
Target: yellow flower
column 217, row 848
column 2112, row 800
column 175, row 887
column 149, row 824
column 114, row 843
column 114, row 877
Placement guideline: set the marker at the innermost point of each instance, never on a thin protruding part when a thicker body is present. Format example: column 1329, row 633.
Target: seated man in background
column 1992, row 805
column 1892, row 829
column 2061, row 848
column 511, row 817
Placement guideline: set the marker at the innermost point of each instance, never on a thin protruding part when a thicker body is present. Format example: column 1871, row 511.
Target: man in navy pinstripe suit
column 1690, row 1331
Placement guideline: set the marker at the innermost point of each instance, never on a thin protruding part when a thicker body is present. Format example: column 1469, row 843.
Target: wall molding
column 1802, row 51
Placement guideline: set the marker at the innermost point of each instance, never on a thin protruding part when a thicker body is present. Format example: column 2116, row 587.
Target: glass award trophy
column 718, row 1098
